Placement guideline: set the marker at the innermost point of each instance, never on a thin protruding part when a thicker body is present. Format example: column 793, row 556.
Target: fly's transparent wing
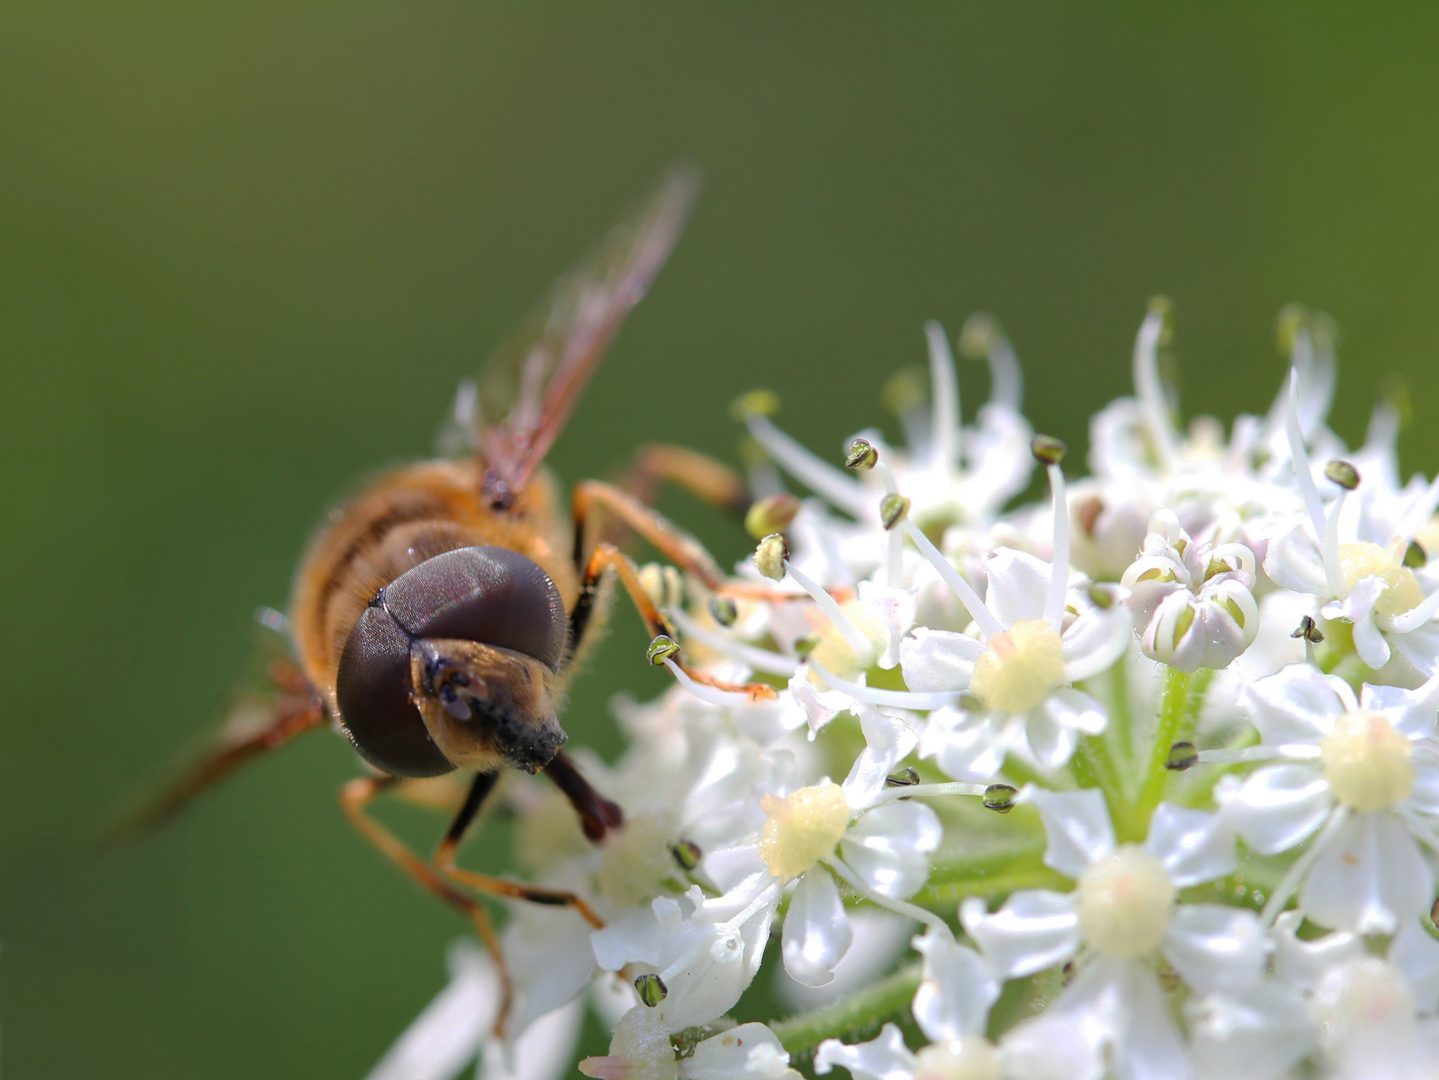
column 513, row 413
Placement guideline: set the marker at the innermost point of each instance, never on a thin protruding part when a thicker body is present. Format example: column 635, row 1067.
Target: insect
column 437, row 616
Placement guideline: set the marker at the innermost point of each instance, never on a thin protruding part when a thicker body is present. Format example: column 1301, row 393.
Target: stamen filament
column 1417, row 616
column 1289, row 883
column 709, row 694
column 894, row 560
column 821, row 476
column 1059, row 569
column 927, row 790
column 900, row 907
column 945, row 415
column 1299, row 460
column 869, row 695
column 1333, row 573
column 755, row 657
column 1006, row 377
column 1422, row 510
column 1244, row 754
column 989, row 625
column 862, row 646
column 1148, row 389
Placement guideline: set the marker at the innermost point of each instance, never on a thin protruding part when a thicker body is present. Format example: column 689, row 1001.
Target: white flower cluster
column 1146, row 774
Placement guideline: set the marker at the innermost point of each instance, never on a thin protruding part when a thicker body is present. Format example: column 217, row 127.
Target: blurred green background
column 246, row 253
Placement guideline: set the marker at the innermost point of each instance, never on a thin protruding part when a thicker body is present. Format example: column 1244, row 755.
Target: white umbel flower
column 1355, row 775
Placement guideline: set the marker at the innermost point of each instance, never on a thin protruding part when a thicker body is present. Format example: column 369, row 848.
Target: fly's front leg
column 593, row 496
column 494, row 886
column 607, row 557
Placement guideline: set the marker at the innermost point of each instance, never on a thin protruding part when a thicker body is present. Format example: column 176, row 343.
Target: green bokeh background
column 245, row 255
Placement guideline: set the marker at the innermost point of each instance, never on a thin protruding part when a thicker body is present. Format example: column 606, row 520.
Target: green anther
column 1291, row 320
column 1343, row 474
column 1101, row 598
column 970, row 701
column 1047, row 450
column 1182, row 755
column 769, row 556
column 893, row 509
column 1308, row 629
column 804, row 646
column 905, row 391
column 1000, row 798
column 652, row 989
column 1164, row 308
column 772, row 514
column 860, row 454
column 907, row 777
column 686, row 853
column 1415, row 557
column 661, row 649
column 755, row 403
column 980, row 334
column 724, row 611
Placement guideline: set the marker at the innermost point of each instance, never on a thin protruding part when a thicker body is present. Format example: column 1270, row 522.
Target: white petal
column 1054, row 1047
column 447, row 1035
column 966, row 745
column 746, row 1052
column 1295, row 705
column 1049, row 742
column 1077, row 826
column 816, row 930
column 1278, row 806
column 1293, row 562
column 889, row 847
column 888, row 740
column 1369, row 643
column 882, row 1058
column 1412, row 712
column 544, row 1052
column 1416, row 954
column 956, row 992
column 1076, row 710
column 1261, row 1033
column 1214, row 947
column 550, row 959
column 1193, row 845
column 1369, row 878
column 1302, row 964
column 1034, row 930
column 633, row 938
column 1094, row 641
column 880, row 937
column 937, row 660
column 1018, row 585
column 1424, row 795
column 1147, row 1043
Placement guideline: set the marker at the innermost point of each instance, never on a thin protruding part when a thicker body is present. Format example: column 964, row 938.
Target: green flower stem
column 1094, row 766
column 942, row 896
column 1178, row 708
column 1119, row 732
column 857, row 1014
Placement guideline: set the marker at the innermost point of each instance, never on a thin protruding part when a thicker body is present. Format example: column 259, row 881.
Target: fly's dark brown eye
column 484, row 594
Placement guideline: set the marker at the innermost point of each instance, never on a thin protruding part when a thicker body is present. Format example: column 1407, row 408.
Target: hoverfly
column 436, row 617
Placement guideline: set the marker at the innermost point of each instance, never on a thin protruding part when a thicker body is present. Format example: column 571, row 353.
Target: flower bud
column 772, row 514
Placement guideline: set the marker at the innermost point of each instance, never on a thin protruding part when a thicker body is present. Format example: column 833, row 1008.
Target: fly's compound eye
column 452, row 664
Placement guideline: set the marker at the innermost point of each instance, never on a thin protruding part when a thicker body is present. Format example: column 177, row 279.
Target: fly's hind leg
column 697, row 473
column 251, row 730
column 356, row 795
